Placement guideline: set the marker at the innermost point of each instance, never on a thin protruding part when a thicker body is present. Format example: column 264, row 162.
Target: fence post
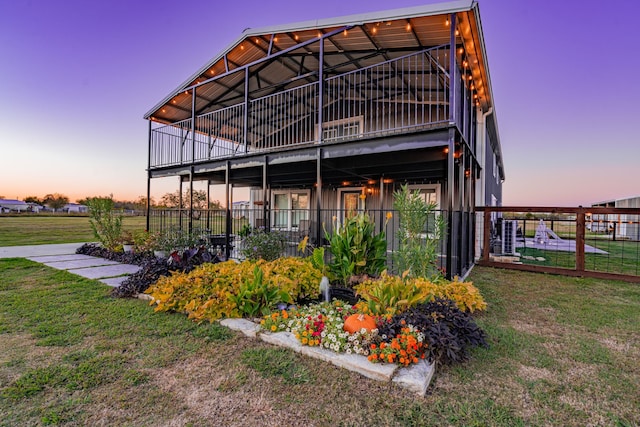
column 486, row 234
column 580, row 223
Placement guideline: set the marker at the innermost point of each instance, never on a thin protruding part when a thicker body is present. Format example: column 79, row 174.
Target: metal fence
column 225, row 229
column 594, row 242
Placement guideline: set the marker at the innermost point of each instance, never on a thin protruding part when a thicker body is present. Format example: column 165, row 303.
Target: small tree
column 172, row 200
column 55, row 201
column 419, row 234
column 106, row 225
column 32, row 199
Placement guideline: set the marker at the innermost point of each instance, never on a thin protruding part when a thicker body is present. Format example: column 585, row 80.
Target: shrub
column 266, row 245
column 466, row 296
column 105, row 224
column 419, row 233
column 211, row 291
column 297, row 276
column 258, row 296
column 203, row 293
column 390, row 294
column 448, row 332
column 356, row 249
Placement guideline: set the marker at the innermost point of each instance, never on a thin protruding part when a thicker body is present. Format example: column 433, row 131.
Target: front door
column 351, row 202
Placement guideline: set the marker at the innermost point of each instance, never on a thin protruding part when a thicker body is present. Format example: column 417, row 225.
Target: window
column 345, row 128
column 289, row 208
column 431, row 195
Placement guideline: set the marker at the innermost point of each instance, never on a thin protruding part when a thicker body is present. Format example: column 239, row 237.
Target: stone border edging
column 415, row 378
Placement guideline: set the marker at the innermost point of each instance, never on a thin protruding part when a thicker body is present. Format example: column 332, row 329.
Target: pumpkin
column 357, row 321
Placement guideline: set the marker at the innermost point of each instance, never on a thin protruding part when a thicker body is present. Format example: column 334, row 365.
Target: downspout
column 481, row 183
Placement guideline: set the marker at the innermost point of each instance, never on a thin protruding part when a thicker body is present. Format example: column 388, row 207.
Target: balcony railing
column 397, row 96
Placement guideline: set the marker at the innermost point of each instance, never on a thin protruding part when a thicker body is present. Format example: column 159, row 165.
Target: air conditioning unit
column 509, row 229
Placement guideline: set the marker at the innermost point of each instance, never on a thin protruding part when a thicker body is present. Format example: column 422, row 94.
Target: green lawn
column 622, row 257
column 41, row 229
column 564, row 351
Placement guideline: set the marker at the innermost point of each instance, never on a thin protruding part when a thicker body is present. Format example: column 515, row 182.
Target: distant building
column 241, row 209
column 75, row 207
column 625, row 225
column 11, row 205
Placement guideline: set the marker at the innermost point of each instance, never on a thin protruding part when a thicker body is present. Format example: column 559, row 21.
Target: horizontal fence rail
column 593, row 242
column 227, row 229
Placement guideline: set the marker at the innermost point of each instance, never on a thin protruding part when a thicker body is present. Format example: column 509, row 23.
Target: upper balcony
column 353, row 78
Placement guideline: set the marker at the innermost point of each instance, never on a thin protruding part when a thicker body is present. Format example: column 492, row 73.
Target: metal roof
column 285, row 56
column 255, row 45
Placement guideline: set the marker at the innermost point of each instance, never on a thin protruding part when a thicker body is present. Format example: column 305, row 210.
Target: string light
column 446, row 23
column 345, row 33
column 409, row 27
column 374, row 30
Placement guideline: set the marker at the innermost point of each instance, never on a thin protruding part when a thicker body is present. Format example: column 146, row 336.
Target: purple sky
column 76, row 77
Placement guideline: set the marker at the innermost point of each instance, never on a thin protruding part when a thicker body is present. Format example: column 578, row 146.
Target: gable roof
column 349, row 42
column 286, row 56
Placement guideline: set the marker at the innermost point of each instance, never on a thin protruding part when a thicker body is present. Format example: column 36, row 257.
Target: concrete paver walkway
column 64, row 257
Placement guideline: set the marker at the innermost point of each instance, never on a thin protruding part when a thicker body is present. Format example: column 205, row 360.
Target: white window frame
column 345, row 123
column 361, row 202
column 289, row 217
column 436, row 188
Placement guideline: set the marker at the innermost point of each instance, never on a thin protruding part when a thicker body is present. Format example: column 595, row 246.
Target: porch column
column 318, row 196
column 450, row 206
column 381, row 202
column 227, row 234
column 208, row 205
column 148, row 219
column 453, row 83
column 265, row 195
column 451, row 145
column 320, row 87
column 245, row 132
column 190, row 199
column 180, row 203
column 193, row 156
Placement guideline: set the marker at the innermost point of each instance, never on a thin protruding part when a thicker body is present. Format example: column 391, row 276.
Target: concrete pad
column 55, row 258
column 114, row 281
column 106, row 271
column 38, row 250
column 80, row 263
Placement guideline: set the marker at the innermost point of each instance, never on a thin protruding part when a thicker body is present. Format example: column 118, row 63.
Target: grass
column 563, row 351
column 622, row 257
column 41, row 229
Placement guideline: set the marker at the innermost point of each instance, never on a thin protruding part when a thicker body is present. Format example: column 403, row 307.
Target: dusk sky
column 76, row 77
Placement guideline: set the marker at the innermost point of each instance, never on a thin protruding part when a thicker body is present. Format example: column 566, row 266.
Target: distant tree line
column 57, row 201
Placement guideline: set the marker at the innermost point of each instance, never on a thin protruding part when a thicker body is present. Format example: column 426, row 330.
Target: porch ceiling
column 283, row 57
column 414, row 166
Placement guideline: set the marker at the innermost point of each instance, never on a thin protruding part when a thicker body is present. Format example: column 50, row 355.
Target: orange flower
column 373, row 347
